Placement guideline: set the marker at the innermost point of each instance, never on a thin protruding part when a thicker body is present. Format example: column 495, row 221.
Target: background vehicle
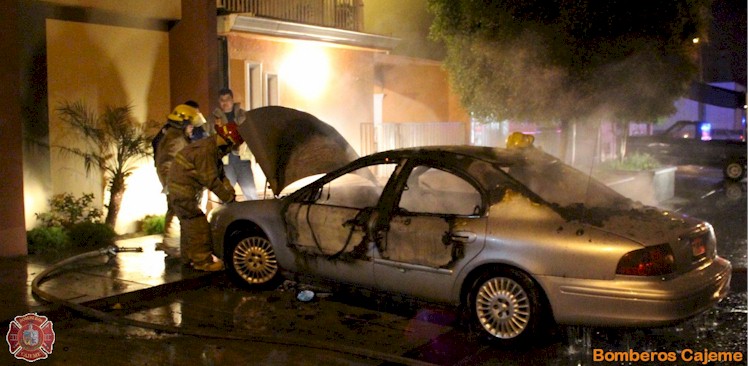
column 693, row 142
column 516, row 236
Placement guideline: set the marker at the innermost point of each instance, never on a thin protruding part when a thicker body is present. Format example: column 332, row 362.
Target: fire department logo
column 30, row 337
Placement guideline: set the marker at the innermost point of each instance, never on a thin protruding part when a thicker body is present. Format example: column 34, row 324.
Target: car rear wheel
column 506, row 306
column 252, row 261
column 734, row 170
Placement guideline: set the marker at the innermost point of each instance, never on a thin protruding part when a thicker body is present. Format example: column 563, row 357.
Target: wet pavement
column 138, row 309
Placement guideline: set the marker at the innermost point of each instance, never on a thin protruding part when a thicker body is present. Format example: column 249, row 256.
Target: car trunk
column 692, row 241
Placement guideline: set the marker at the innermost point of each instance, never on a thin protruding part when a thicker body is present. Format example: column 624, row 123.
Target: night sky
column 726, row 57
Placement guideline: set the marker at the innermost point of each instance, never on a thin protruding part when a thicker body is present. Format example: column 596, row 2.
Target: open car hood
column 290, row 145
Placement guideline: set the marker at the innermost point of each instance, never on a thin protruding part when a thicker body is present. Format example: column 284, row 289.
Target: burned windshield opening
column 564, row 186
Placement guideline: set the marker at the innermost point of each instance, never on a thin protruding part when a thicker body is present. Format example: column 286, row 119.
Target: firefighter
column 174, row 136
column 198, row 166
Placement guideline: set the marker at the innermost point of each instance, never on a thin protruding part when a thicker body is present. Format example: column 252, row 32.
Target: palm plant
column 114, row 141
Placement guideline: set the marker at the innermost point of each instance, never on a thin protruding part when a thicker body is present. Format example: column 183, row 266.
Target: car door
column 437, row 219
column 682, row 144
column 326, row 229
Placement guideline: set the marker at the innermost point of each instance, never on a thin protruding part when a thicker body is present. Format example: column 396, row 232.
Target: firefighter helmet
column 184, row 113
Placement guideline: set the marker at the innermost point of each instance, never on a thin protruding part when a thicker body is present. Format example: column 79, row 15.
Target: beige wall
column 416, row 90
column 332, row 83
column 104, row 65
column 103, row 52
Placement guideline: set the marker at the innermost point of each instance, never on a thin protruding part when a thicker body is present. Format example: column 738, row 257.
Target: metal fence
column 387, row 136
column 494, row 134
column 341, row 14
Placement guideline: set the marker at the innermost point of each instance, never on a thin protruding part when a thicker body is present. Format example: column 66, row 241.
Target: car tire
column 506, row 307
column 251, row 262
column 734, row 170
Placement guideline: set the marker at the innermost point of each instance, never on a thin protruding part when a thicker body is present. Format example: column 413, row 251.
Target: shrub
column 70, row 222
column 91, row 235
column 152, row 224
column 44, row 239
column 633, row 162
column 65, row 210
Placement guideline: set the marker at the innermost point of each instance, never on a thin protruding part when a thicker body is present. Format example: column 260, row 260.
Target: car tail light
column 651, row 261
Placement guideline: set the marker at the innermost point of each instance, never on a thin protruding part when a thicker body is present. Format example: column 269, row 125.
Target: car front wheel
column 506, row 306
column 252, row 261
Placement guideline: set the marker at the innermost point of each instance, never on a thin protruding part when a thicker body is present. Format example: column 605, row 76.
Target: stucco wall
column 333, row 83
column 413, row 91
column 105, row 65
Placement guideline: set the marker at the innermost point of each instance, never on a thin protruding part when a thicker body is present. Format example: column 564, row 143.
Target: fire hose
column 112, row 251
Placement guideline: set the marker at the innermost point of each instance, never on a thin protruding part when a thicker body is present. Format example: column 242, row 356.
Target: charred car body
column 693, row 142
column 519, row 238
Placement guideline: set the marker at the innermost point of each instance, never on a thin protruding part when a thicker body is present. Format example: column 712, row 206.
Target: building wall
column 332, row 83
column 102, row 53
column 416, row 90
column 719, row 117
column 96, row 64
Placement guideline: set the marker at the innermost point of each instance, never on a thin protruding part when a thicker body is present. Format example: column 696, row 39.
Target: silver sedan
column 517, row 237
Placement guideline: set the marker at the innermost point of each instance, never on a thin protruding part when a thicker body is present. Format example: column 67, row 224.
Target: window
column 272, row 96
column 685, row 131
column 356, row 189
column 253, row 80
column 435, row 191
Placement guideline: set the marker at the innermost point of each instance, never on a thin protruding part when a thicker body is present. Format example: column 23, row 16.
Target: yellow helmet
column 184, row 113
column 519, row 140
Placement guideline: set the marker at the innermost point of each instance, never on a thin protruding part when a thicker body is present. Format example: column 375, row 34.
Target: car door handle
column 463, row 236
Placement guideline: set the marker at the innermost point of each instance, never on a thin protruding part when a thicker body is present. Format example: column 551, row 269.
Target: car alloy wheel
column 506, row 306
column 254, row 260
column 502, row 307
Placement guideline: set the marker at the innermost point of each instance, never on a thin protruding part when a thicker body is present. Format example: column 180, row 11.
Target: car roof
column 491, row 155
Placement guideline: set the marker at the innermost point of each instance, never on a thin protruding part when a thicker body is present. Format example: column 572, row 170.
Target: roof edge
column 251, row 24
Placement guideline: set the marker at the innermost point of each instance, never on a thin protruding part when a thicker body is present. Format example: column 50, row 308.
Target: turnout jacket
column 197, row 166
column 174, row 139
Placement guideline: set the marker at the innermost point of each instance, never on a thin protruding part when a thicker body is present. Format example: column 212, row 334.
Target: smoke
column 544, row 76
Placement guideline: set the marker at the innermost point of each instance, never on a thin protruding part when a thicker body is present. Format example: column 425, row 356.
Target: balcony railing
column 340, row 14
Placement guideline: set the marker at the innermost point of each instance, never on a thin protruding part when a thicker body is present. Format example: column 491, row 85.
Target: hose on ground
column 202, row 332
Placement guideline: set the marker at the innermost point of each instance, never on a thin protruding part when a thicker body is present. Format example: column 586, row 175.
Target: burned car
column 519, row 238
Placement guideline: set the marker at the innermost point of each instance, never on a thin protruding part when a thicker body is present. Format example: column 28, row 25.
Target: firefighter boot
column 197, row 245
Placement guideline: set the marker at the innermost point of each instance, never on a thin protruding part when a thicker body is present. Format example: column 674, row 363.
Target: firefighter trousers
column 195, row 240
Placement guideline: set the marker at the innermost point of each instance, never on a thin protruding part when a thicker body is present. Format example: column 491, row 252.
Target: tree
column 570, row 61
column 114, row 142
